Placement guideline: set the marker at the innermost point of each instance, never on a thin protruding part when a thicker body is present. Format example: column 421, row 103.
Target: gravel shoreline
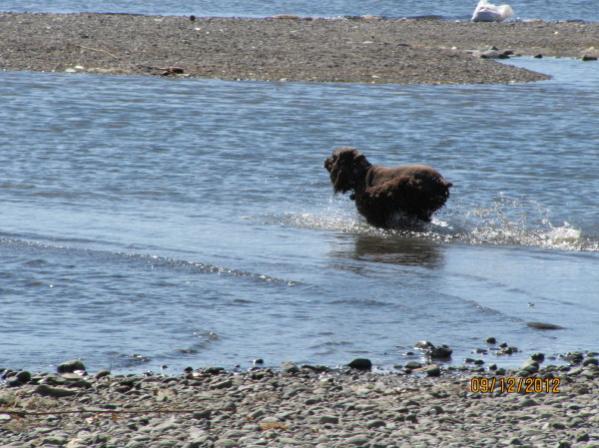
column 364, row 49
column 307, row 406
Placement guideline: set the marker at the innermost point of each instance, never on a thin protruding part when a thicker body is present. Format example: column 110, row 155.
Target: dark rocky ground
column 305, row 407
column 366, row 50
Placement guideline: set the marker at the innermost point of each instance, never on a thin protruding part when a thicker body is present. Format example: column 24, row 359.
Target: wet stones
column 538, row 357
column 442, row 352
column 574, row 358
column 505, row 349
column 477, row 362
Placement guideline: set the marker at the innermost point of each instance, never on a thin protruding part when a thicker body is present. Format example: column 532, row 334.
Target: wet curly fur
column 382, row 194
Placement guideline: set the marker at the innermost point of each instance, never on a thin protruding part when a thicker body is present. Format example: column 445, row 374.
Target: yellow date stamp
column 514, row 384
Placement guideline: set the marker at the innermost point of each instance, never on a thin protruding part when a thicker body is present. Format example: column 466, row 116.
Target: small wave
column 364, row 302
column 151, row 261
column 203, row 339
column 331, row 345
column 124, row 361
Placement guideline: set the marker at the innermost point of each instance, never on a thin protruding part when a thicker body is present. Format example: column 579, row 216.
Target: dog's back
column 418, row 190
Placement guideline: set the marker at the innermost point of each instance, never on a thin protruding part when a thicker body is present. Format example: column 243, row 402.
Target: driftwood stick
column 24, row 413
column 99, row 50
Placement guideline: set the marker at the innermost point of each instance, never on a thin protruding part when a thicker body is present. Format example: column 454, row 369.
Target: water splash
column 505, row 222
column 517, row 222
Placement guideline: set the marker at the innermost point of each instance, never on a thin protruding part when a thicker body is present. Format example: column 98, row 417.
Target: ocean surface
column 149, row 221
column 587, row 10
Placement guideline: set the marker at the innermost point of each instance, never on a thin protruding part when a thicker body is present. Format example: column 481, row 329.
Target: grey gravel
column 365, row 50
column 347, row 408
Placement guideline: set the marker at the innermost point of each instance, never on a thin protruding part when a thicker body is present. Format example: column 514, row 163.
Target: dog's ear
column 347, row 166
column 361, row 161
column 329, row 162
column 346, row 154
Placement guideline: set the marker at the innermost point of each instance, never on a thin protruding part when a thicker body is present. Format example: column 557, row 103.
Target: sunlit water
column 148, row 221
column 449, row 9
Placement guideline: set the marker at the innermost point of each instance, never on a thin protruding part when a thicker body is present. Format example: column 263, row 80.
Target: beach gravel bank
column 366, row 50
column 305, row 407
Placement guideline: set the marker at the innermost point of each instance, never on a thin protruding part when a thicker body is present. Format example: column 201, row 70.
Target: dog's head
column 347, row 167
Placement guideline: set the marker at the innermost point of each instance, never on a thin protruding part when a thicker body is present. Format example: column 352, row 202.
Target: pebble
column 375, row 424
column 23, row 377
column 225, row 443
column 289, row 367
column 442, row 352
column 70, row 366
column 55, row 392
column 430, row 370
column 583, row 437
column 358, row 440
column 361, row 364
column 225, row 384
column 538, row 357
column 328, row 419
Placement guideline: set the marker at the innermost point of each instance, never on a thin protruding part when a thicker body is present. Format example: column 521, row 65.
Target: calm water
column 148, row 221
column 451, row 9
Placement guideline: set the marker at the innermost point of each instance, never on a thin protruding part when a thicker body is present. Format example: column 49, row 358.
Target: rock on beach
column 71, row 366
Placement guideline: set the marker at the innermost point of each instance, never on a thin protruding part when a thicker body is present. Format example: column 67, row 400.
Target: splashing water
column 506, row 222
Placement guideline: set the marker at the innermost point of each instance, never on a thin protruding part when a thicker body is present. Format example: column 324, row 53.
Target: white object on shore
column 487, row 12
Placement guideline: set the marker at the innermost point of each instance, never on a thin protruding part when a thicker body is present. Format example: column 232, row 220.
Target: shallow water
column 450, row 9
column 148, row 221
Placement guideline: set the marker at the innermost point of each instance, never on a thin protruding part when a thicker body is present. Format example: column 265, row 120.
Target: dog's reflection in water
column 395, row 249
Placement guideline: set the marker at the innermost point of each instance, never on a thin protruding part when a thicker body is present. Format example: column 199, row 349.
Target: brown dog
column 383, row 194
